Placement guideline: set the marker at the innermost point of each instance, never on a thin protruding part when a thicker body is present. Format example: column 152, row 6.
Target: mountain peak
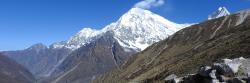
column 38, row 46
column 137, row 16
column 222, row 8
column 138, row 11
column 222, row 11
column 133, row 15
column 136, row 29
column 139, row 28
column 87, row 30
column 84, row 36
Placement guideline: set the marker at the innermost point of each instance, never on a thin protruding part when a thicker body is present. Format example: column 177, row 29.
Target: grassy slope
column 185, row 51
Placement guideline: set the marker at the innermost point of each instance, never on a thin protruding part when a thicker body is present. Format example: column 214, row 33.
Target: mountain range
column 111, row 46
column 140, row 46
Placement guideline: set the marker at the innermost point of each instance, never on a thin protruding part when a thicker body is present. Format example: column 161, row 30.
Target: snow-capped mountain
column 222, row 11
column 133, row 31
column 136, row 29
column 86, row 35
column 191, row 48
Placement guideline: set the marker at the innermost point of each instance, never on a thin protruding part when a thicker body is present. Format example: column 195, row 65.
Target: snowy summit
column 222, row 11
column 137, row 29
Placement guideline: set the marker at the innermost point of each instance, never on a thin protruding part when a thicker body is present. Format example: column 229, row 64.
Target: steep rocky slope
column 91, row 60
column 188, row 49
column 12, row 72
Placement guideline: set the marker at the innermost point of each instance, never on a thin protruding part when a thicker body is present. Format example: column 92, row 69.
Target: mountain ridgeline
column 187, row 50
column 140, row 47
column 113, row 45
column 91, row 60
column 91, row 52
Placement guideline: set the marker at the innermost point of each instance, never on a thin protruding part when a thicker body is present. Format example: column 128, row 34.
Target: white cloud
column 147, row 4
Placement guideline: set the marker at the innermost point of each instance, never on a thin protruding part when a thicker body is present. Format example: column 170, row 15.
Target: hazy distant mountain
column 188, row 49
column 39, row 59
column 12, row 72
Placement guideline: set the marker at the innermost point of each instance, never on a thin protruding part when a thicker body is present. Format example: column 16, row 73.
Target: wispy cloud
column 147, row 4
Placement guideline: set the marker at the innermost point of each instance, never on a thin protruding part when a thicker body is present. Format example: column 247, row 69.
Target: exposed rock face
column 91, row 60
column 218, row 73
column 188, row 49
column 12, row 72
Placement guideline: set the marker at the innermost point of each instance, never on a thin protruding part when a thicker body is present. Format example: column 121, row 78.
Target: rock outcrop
column 235, row 71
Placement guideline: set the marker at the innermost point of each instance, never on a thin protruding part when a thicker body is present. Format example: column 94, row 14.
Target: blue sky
column 27, row 22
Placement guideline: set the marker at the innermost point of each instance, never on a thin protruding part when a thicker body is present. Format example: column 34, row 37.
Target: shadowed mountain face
column 91, row 60
column 39, row 59
column 188, row 49
column 11, row 72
